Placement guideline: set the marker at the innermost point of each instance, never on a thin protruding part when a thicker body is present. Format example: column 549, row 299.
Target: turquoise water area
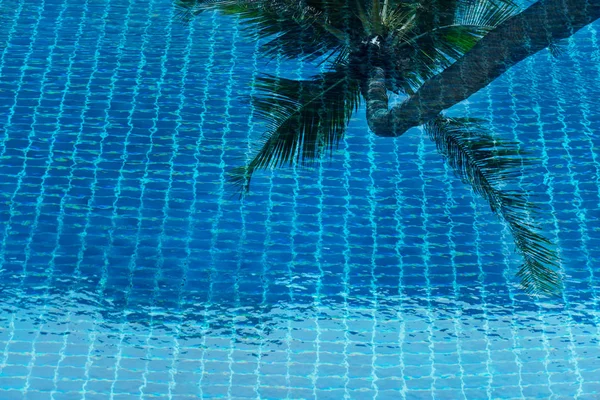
column 130, row 270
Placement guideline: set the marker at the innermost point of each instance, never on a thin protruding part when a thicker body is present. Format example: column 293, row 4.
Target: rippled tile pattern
column 129, row 269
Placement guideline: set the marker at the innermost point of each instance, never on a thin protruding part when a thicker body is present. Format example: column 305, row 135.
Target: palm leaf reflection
column 304, row 119
column 485, row 163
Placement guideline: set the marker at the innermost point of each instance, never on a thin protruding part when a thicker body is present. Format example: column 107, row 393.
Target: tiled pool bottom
column 127, row 270
column 403, row 351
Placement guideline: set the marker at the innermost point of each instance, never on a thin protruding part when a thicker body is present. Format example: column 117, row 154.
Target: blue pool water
column 129, row 268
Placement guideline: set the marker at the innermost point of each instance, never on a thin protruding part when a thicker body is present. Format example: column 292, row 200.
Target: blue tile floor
column 128, row 269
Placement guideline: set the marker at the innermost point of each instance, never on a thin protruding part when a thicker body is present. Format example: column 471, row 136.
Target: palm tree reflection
column 371, row 48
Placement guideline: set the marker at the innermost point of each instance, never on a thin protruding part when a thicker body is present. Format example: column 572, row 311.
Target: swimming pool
column 129, row 269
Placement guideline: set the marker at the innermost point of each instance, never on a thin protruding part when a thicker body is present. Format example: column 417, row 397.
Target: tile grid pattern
column 375, row 274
